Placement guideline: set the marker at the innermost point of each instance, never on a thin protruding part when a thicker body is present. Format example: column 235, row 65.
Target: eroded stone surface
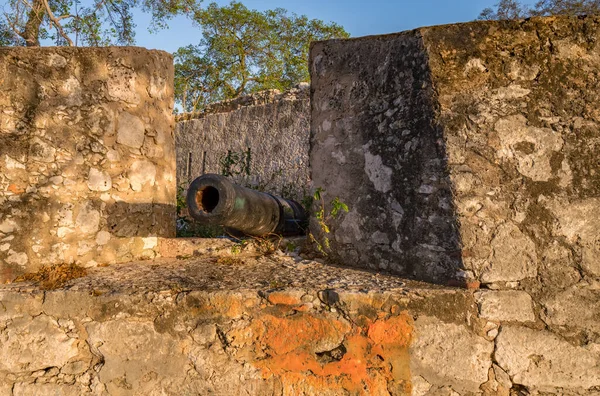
column 262, row 325
column 477, row 179
column 543, row 360
column 449, row 354
column 505, row 306
column 271, row 325
column 79, row 133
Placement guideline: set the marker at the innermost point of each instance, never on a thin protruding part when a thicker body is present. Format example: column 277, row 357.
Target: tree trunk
column 31, row 34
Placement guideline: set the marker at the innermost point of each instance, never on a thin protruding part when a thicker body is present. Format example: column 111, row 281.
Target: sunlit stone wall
column 87, row 159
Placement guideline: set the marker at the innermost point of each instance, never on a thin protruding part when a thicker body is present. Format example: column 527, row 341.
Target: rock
column 88, row 219
column 578, row 222
column 141, row 173
column 502, row 377
column 513, row 256
column 448, row 354
column 133, row 348
column 35, row 343
column 42, row 151
column 130, row 130
column 505, row 305
column 534, row 163
column 150, row 242
column 12, row 164
column 420, row 387
column 20, row 259
column 576, row 307
column 103, row 237
column 99, row 180
column 8, row 226
column 540, row 359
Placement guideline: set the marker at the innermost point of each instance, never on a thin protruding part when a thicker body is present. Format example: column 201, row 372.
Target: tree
column 505, row 9
column 243, row 51
column 82, row 22
column 513, row 9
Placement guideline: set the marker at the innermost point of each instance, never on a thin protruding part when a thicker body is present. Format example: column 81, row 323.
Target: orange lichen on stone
column 302, row 332
column 13, row 188
column 228, row 306
column 312, row 353
column 284, row 298
column 395, row 330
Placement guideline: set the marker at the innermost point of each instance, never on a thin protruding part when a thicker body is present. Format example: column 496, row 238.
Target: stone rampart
column 260, row 141
column 279, row 325
column 465, row 152
column 468, row 155
column 87, row 170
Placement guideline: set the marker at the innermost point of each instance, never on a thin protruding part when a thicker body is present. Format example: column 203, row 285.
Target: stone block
column 575, row 307
column 464, row 152
column 542, row 360
column 449, row 354
column 73, row 175
column 505, row 306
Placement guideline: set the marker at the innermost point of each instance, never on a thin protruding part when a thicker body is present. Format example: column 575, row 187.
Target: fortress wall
column 468, row 155
column 259, row 140
column 87, row 167
column 464, row 151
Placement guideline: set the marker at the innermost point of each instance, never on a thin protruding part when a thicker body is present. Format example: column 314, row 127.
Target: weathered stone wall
column 279, row 325
column 260, row 140
column 87, row 167
column 464, row 151
column 468, row 154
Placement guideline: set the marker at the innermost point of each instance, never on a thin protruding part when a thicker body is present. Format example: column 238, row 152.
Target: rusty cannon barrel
column 214, row 200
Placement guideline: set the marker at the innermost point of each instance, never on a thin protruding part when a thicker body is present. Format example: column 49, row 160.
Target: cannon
column 214, row 200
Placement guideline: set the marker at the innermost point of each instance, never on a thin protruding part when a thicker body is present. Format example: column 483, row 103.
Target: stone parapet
column 87, row 167
column 465, row 152
column 278, row 325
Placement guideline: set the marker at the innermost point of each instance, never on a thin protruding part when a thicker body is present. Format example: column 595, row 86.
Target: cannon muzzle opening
column 207, row 199
column 214, row 200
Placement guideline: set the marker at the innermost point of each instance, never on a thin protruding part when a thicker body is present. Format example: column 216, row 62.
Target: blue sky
column 358, row 17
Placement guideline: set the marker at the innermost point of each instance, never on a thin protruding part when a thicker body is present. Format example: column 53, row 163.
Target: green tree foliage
column 82, row 22
column 513, row 9
column 243, row 51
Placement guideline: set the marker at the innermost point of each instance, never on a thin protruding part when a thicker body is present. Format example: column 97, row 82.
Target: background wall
column 260, row 140
column 87, row 170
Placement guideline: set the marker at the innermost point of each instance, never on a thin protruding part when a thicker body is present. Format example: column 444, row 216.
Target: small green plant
column 290, row 246
column 181, row 202
column 324, row 219
column 239, row 246
column 236, row 163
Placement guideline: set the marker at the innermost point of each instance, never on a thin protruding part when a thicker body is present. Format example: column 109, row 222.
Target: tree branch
column 56, row 23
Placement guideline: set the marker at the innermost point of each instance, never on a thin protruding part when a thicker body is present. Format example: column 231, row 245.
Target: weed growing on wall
column 236, row 163
column 324, row 219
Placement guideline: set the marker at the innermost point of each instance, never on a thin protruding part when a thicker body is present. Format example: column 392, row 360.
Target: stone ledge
column 264, row 325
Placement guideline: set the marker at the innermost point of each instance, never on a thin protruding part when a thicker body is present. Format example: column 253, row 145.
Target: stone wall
column 260, row 140
column 279, row 325
column 468, row 155
column 87, row 169
column 465, row 152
